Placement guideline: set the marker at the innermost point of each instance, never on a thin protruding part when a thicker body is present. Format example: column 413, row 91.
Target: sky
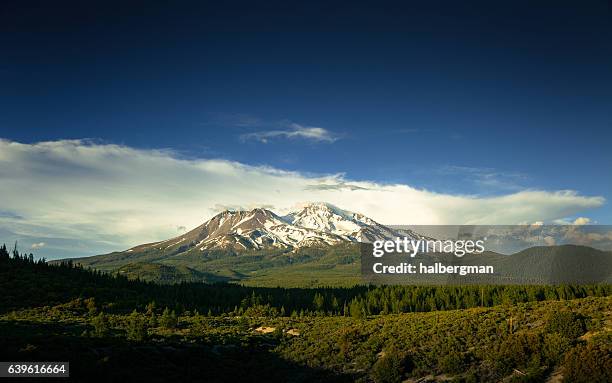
column 127, row 123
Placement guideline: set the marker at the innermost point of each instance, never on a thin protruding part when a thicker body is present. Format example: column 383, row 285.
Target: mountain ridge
column 314, row 224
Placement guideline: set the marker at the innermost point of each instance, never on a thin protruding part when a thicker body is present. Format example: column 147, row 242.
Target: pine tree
column 168, row 319
column 357, row 309
column 136, row 327
column 153, row 320
column 101, row 325
column 4, row 254
column 150, row 309
column 16, row 252
column 318, row 302
column 90, row 304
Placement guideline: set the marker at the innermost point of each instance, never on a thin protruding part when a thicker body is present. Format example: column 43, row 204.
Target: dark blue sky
column 483, row 98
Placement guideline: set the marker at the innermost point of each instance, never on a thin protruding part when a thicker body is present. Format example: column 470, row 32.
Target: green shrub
column 136, row 327
column 261, row 311
column 452, row 362
column 555, row 345
column 517, row 351
column 589, row 364
column 90, row 304
column 100, row 325
column 566, row 323
column 168, row 319
column 389, row 368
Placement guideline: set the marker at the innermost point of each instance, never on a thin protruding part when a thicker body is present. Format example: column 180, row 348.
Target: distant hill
column 559, row 264
column 330, row 265
column 161, row 273
column 339, row 265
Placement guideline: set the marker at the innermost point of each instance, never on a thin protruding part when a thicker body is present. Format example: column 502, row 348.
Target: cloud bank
column 81, row 198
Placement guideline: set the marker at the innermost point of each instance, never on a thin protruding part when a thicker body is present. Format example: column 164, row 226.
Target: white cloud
column 582, row 221
column 38, row 245
column 550, row 241
column 293, row 131
column 577, row 222
column 486, row 178
column 112, row 197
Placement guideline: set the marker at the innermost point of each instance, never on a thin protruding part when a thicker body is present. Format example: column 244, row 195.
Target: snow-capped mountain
column 351, row 226
column 240, row 230
column 312, row 224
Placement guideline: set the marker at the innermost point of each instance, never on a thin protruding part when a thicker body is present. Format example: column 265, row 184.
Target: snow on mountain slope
column 313, row 224
column 240, row 230
column 352, row 226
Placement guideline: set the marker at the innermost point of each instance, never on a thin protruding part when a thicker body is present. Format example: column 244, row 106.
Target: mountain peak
column 261, row 212
column 326, row 217
column 315, row 223
column 317, row 204
column 322, row 206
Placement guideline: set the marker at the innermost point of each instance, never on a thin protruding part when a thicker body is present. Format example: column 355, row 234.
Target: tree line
column 26, row 282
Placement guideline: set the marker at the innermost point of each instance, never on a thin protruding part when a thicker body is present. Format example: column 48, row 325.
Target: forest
column 115, row 328
column 36, row 283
